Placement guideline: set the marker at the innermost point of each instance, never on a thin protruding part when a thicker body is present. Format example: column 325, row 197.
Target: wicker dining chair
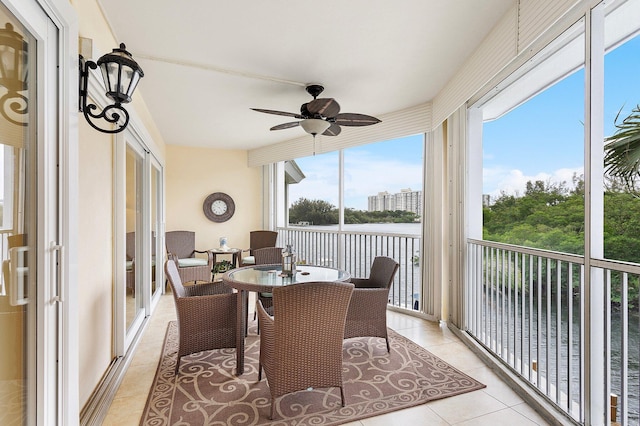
column 367, row 316
column 181, row 248
column 301, row 345
column 267, row 256
column 257, row 240
column 206, row 314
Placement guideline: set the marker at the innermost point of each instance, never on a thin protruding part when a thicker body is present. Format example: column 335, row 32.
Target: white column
column 596, row 407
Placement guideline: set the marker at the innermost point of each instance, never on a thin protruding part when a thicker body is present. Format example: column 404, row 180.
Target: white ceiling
column 207, row 62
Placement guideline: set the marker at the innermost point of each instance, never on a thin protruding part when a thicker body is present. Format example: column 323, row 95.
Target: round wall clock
column 218, row 207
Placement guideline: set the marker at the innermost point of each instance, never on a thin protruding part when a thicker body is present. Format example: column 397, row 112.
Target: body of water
column 385, row 228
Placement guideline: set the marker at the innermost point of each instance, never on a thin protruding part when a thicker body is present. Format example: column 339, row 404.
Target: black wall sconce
column 13, row 75
column 121, row 75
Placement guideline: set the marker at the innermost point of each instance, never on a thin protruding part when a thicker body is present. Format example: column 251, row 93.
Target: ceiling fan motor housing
column 314, row 90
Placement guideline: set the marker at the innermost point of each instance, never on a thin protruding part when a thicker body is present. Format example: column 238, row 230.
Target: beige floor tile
column 426, row 337
column 137, row 381
column 506, row 417
column 495, row 387
column 530, row 413
column 125, row 412
column 399, row 321
column 466, row 407
column 148, row 352
column 420, row 415
column 458, row 355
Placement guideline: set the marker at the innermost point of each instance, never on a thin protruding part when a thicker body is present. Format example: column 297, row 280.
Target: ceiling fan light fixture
column 320, row 116
column 314, row 126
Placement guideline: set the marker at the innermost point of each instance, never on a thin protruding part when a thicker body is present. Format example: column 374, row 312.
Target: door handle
column 57, row 258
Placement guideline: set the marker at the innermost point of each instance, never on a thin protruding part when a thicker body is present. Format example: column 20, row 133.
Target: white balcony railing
column 526, row 306
column 354, row 252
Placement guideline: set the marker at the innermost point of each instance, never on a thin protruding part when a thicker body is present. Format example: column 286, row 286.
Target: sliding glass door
column 133, row 235
column 30, row 294
column 139, row 236
column 157, row 251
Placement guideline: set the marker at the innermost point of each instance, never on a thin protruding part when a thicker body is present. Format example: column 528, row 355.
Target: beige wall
column 194, row 173
column 191, row 174
column 95, row 215
column 95, row 256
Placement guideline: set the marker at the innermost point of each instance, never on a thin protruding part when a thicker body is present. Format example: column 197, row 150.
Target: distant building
column 406, row 200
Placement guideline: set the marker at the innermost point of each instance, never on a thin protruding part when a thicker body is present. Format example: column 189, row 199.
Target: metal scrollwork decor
column 121, row 75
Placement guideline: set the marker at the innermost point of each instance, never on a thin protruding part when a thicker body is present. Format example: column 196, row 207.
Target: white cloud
column 514, row 181
column 368, row 174
column 365, row 175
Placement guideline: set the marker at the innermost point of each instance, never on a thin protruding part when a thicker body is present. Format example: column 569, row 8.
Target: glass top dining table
column 263, row 278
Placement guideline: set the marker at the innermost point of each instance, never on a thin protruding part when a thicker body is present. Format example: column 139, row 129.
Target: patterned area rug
column 207, row 392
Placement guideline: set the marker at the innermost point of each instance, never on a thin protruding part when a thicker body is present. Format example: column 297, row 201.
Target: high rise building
column 406, row 200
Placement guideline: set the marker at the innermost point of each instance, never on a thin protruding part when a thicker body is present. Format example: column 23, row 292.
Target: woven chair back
column 382, row 272
column 262, row 239
column 268, row 255
column 309, row 330
column 171, row 269
column 180, row 243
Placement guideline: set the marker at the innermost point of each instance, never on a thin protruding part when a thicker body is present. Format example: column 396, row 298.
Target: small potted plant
column 222, row 267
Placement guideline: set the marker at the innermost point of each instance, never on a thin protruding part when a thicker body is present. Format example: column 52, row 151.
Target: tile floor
column 494, row 405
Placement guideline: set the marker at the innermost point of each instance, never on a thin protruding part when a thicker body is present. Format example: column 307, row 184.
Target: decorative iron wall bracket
column 121, row 75
column 111, row 113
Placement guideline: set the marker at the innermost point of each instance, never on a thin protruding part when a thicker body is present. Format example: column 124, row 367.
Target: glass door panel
column 18, row 207
column 134, row 294
column 156, row 252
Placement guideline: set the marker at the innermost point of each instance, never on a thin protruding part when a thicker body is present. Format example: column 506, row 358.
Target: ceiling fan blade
column 350, row 119
column 327, row 107
column 333, row 130
column 270, row 111
column 285, row 125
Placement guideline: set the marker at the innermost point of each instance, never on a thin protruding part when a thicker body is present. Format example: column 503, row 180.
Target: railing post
column 614, row 408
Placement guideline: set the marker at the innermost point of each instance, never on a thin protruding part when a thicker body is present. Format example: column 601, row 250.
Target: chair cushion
column 249, row 260
column 191, row 261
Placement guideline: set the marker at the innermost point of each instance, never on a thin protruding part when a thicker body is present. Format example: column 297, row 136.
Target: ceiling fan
column 321, row 116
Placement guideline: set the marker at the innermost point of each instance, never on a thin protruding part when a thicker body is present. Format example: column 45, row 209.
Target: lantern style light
column 121, row 75
column 288, row 262
column 13, row 74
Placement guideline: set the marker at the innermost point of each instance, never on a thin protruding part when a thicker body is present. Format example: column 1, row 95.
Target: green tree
column 622, row 226
column 552, row 217
column 316, row 212
column 319, row 212
column 548, row 216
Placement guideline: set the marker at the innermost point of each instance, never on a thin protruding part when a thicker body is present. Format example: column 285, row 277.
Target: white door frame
column 123, row 335
column 54, row 25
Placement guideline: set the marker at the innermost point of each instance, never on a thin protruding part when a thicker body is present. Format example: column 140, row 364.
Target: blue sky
column 369, row 169
column 540, row 140
column 543, row 138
